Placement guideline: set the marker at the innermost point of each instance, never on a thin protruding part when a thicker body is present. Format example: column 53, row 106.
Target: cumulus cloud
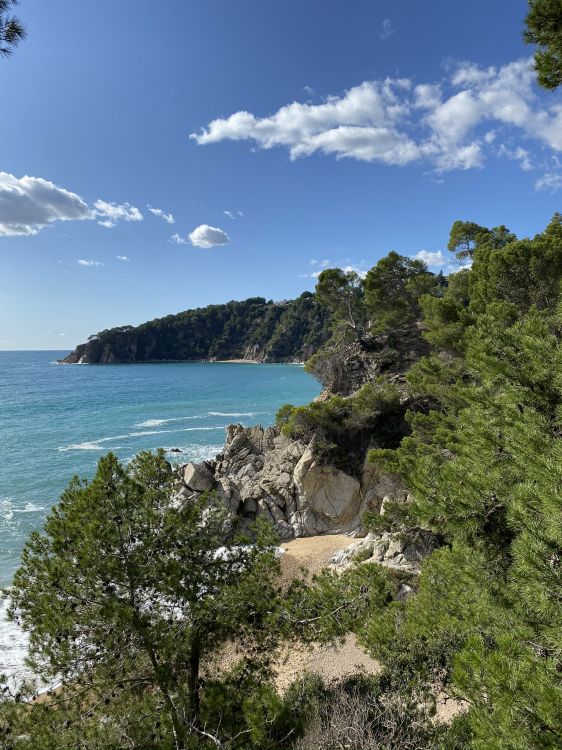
column 434, row 259
column 111, row 213
column 85, row 262
column 450, row 124
column 207, row 237
column 229, row 214
column 28, row 204
column 387, row 29
column 359, row 268
column 168, row 218
column 124, row 258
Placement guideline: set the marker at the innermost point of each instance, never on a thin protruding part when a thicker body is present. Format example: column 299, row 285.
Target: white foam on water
column 13, row 647
column 160, row 422
column 29, row 508
column 9, row 512
column 235, row 413
column 98, row 445
column 88, row 446
column 194, row 453
column 153, row 422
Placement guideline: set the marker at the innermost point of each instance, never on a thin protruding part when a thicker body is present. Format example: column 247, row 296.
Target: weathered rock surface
column 345, row 370
column 402, row 551
column 261, row 472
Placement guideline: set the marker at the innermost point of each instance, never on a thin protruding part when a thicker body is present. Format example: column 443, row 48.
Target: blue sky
column 332, row 131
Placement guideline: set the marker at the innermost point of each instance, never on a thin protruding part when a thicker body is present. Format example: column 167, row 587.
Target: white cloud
column 28, row 204
column 359, row 268
column 206, row 236
column 450, row 124
column 437, row 260
column 434, row 259
column 518, row 154
column 168, row 218
column 84, row 262
column 124, row 258
column 111, row 213
column 551, row 181
column 177, row 239
column 233, row 214
column 387, row 29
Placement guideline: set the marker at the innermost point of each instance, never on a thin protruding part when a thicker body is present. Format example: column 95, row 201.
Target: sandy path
column 331, row 661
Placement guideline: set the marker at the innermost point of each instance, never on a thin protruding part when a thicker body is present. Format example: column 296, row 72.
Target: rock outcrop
column 260, row 472
column 343, row 371
column 403, row 551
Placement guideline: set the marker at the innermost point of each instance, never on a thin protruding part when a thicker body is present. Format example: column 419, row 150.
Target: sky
column 161, row 156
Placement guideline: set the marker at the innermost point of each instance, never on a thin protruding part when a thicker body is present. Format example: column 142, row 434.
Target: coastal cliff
column 253, row 330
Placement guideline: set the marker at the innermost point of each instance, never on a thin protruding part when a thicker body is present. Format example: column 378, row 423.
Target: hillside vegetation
column 252, row 329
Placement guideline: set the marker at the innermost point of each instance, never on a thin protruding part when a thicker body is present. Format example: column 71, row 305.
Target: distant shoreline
column 179, row 361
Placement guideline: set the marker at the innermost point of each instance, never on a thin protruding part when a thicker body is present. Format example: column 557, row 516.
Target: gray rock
column 198, row 478
column 262, row 472
column 400, row 551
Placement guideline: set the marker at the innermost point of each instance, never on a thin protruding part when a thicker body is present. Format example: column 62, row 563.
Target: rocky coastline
column 262, row 473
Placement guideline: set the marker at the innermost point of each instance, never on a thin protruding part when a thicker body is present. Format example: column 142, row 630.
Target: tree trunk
column 193, row 680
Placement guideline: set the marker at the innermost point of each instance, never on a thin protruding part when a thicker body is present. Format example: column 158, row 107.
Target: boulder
column 198, row 478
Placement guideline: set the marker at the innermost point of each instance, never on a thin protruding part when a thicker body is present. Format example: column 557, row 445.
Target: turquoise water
column 56, row 421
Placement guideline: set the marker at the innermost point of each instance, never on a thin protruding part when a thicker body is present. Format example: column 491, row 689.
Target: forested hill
column 253, row 329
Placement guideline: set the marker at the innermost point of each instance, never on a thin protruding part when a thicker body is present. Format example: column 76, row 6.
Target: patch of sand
column 332, row 661
column 311, row 553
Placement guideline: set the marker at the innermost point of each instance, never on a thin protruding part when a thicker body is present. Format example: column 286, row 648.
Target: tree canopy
column 12, row 31
column 544, row 28
column 124, row 595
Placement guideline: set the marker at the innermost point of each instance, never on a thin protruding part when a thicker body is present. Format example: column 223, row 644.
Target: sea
column 57, row 420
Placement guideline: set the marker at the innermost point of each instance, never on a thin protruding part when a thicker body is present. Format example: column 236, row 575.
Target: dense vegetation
column 252, row 329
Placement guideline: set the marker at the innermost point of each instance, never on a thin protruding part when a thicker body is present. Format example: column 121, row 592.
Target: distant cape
column 254, row 329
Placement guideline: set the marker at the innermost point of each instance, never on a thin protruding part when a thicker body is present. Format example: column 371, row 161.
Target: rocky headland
column 251, row 330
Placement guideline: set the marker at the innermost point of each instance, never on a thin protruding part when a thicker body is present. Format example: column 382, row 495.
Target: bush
column 342, row 429
column 357, row 716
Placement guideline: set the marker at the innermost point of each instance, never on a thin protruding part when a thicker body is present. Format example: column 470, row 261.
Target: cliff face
column 263, row 473
column 344, row 370
column 253, row 329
